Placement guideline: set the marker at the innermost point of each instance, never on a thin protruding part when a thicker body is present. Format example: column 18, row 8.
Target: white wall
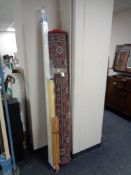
column 121, row 32
column 7, row 43
column 33, row 47
column 92, row 28
column 17, row 17
column 65, row 18
column 65, row 10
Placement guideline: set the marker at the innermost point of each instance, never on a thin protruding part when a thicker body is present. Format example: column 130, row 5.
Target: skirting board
column 85, row 151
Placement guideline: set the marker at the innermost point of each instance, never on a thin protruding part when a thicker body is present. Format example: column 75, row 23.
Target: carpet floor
column 112, row 157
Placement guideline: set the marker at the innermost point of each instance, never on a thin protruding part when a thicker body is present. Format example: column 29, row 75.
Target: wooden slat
column 4, row 133
column 51, row 98
column 54, row 121
column 55, row 143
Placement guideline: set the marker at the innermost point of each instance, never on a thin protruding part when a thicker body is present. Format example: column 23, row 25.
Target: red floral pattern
column 59, row 59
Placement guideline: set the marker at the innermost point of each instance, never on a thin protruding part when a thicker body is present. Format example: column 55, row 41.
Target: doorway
column 118, row 92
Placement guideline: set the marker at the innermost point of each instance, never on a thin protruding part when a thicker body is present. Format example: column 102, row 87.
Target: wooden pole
column 3, row 129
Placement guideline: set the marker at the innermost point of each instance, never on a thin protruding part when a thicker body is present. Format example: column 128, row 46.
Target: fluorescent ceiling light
column 10, row 29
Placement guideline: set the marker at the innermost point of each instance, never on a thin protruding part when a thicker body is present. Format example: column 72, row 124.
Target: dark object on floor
column 17, row 129
column 16, row 171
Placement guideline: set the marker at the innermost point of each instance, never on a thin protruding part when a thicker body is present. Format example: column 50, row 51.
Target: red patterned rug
column 58, row 52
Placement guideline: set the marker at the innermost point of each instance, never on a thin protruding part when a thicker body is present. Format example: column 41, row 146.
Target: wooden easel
column 4, row 132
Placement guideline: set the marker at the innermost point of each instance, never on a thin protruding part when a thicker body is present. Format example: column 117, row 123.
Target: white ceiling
column 6, row 17
column 122, row 5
